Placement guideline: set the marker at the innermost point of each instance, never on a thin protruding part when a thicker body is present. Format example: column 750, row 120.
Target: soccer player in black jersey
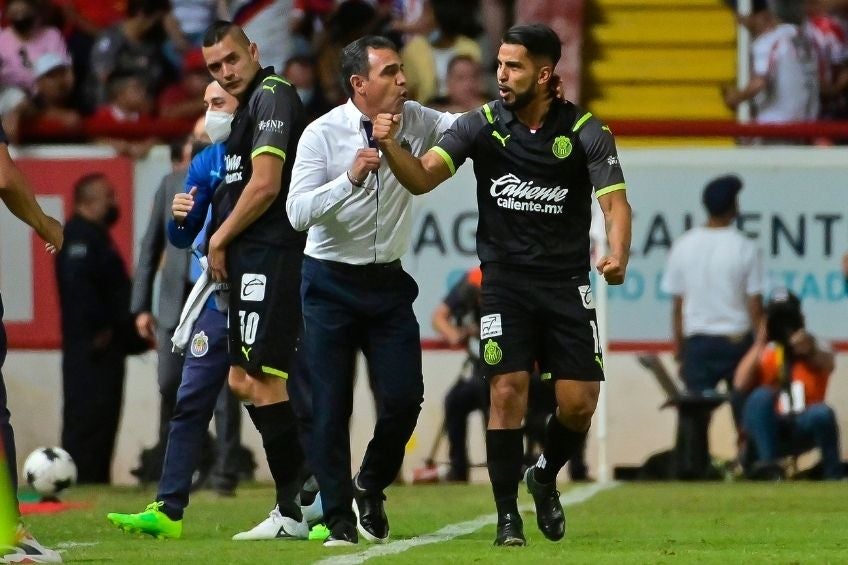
column 254, row 247
column 537, row 161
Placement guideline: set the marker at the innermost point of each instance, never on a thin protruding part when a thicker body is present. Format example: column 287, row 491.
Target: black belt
column 368, row 268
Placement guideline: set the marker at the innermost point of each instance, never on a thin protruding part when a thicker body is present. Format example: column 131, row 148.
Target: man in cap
column 714, row 274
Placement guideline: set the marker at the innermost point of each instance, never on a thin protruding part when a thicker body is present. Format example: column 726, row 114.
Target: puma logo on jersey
column 606, row 129
column 246, row 352
column 272, row 88
column 501, row 138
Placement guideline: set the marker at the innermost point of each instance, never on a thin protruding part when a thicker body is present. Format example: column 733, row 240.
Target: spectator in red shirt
column 787, row 370
column 185, row 98
column 128, row 104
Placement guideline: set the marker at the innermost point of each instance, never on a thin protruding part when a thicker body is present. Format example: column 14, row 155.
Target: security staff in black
column 537, row 161
column 256, row 250
column 97, row 329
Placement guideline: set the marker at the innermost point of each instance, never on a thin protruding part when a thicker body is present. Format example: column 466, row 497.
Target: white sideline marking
column 451, row 531
column 73, row 544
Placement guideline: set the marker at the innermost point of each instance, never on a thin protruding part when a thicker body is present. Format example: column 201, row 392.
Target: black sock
column 278, row 427
column 504, row 449
column 171, row 512
column 560, row 445
column 309, row 487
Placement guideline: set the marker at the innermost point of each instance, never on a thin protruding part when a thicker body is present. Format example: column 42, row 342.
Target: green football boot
column 152, row 522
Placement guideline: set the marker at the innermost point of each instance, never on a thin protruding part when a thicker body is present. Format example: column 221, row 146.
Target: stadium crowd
column 130, row 72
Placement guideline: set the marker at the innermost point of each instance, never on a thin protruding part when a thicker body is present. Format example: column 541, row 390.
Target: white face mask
column 218, row 125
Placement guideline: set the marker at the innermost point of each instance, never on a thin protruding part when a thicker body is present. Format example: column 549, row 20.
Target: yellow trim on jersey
column 447, row 158
column 275, row 372
column 278, row 79
column 611, row 188
column 268, row 149
column 488, row 112
column 581, row 121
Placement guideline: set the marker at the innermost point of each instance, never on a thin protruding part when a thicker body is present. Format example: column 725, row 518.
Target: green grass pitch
column 793, row 522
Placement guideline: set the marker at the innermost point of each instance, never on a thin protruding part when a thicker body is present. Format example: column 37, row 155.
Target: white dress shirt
column 346, row 223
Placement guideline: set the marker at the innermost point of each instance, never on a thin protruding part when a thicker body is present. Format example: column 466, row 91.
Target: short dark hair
column 538, row 39
column 302, row 60
column 82, row 186
column 355, row 57
column 220, row 29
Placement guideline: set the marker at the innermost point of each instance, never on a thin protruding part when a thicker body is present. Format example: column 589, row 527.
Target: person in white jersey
column 785, row 71
column 715, row 277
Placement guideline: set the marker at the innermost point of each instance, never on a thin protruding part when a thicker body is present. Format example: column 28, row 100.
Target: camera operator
column 787, row 370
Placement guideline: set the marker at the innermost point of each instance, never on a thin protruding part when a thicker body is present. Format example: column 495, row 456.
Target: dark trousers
column 169, row 372
column 466, row 396
column 707, row 361
column 346, row 309
column 203, row 381
column 772, row 435
column 7, row 434
column 93, row 385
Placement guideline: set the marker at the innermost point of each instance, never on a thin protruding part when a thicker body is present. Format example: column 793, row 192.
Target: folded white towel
column 197, row 298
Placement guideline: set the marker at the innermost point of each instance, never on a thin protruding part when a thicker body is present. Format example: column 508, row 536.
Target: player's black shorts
column 525, row 321
column 265, row 314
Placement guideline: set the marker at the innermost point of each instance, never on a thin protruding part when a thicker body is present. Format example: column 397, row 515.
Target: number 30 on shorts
column 249, row 324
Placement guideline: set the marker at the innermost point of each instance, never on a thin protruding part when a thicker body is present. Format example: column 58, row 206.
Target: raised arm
column 747, row 373
column 18, row 197
column 418, row 176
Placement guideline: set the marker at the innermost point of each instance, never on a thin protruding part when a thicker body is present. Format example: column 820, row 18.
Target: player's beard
column 521, row 99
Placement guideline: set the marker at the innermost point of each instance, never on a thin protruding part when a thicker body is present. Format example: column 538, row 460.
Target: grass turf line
column 636, row 523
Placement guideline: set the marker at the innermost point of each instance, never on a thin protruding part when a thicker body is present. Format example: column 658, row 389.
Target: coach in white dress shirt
column 356, row 296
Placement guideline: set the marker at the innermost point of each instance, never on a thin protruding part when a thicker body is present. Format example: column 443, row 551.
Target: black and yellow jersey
column 534, row 188
column 270, row 121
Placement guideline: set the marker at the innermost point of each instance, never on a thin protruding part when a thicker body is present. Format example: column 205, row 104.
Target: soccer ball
column 50, row 470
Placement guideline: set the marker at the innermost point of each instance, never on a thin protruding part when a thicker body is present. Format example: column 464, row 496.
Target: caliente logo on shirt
column 513, row 193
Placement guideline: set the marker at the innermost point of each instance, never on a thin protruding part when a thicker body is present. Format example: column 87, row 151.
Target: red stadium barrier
column 44, row 131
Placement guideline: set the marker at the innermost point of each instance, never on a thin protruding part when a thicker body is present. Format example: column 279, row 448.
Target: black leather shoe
column 510, row 531
column 342, row 534
column 549, row 515
column 371, row 520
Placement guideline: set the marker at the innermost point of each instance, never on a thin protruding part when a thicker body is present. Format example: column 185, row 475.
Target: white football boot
column 27, row 550
column 314, row 513
column 275, row 526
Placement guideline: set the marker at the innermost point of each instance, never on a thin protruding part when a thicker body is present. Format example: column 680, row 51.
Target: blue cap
column 720, row 194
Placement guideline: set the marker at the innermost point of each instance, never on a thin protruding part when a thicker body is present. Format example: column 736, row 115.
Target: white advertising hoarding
column 793, row 205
